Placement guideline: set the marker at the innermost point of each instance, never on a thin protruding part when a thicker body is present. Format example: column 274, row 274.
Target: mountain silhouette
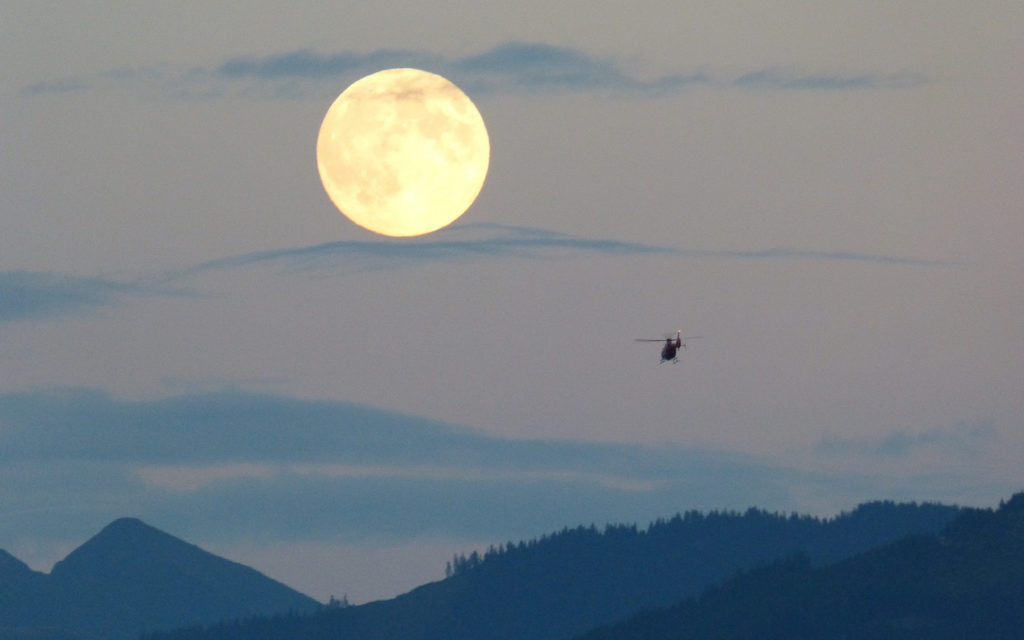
column 966, row 582
column 132, row 578
column 575, row 580
column 13, row 569
column 19, row 586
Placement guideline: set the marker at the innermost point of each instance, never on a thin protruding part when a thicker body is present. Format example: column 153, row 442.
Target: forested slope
column 572, row 581
column 967, row 582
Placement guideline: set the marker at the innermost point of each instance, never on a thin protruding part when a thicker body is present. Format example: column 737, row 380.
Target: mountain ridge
column 964, row 582
column 14, row 569
column 577, row 579
column 132, row 578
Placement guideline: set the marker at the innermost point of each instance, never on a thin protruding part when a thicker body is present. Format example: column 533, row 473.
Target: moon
column 403, row 152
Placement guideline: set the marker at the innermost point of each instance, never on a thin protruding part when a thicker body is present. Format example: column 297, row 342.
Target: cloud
column 306, row 63
column 485, row 241
column 251, row 463
column 26, row 295
column 233, row 465
column 961, row 438
column 543, row 64
column 781, row 253
column 779, row 78
column 77, row 424
column 459, row 243
column 65, row 85
column 312, row 437
column 34, row 295
column 537, row 67
column 510, row 67
column 149, row 78
column 30, row 295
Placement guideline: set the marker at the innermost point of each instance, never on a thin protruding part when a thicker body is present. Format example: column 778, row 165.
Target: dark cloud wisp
column 485, row 241
column 511, row 67
column 306, row 63
column 536, row 67
column 30, row 294
column 961, row 438
column 780, row 78
column 455, row 244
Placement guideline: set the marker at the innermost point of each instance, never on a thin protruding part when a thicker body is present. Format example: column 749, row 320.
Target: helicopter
column 668, row 352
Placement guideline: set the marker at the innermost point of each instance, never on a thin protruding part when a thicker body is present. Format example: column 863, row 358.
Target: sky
column 190, row 333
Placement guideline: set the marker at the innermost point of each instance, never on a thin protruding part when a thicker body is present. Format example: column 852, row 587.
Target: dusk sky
column 830, row 194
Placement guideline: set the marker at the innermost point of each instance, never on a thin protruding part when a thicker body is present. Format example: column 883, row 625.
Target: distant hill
column 967, row 582
column 575, row 580
column 132, row 578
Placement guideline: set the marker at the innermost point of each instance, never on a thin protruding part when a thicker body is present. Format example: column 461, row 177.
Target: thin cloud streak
column 188, row 478
column 482, row 241
column 779, row 78
column 26, row 295
column 533, row 67
column 538, row 67
column 477, row 242
column 511, row 67
column 306, row 63
column 817, row 254
column 960, row 439
column 32, row 295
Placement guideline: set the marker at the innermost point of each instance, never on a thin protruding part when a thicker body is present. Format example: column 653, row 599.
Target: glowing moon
column 402, row 152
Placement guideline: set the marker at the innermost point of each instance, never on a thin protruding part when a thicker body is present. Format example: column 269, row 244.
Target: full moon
column 402, row 152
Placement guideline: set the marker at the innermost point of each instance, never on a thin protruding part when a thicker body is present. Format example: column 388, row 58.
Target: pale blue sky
column 191, row 334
